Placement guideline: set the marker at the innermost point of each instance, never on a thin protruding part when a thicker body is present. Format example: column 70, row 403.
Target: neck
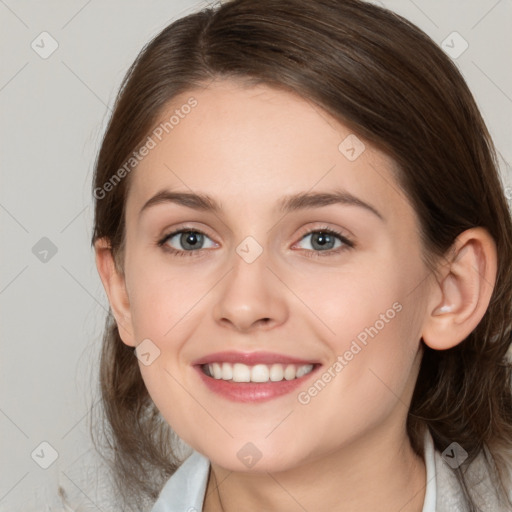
column 380, row 472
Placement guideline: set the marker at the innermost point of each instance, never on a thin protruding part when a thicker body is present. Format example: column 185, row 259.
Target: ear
column 114, row 283
column 463, row 290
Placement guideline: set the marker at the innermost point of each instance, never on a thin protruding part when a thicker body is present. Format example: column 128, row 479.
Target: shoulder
column 480, row 484
column 184, row 491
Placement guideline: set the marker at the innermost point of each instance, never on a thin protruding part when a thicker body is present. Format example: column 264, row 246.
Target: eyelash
column 347, row 243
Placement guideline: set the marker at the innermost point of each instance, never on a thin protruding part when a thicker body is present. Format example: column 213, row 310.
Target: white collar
column 185, row 490
column 429, row 505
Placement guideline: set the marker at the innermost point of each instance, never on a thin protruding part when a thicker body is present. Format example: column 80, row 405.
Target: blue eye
column 190, row 241
column 322, row 240
column 326, row 241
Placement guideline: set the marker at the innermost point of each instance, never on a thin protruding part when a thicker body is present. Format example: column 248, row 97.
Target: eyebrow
column 318, row 199
column 287, row 204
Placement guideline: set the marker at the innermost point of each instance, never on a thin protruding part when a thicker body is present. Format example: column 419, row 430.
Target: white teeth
column 217, row 371
column 276, row 372
column 289, row 372
column 303, row 370
column 240, row 372
column 260, row 373
column 227, row 371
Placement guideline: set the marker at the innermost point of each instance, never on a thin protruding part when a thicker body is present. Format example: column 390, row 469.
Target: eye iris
column 190, row 240
column 320, row 240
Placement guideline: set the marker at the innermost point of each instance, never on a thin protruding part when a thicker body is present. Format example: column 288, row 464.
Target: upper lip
column 250, row 358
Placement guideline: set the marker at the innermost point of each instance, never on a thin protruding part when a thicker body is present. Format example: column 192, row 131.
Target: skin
column 247, row 147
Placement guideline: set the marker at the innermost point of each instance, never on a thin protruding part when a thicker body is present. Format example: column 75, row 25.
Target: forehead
column 250, row 145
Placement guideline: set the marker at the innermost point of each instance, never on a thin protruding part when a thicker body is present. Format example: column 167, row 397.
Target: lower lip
column 252, row 391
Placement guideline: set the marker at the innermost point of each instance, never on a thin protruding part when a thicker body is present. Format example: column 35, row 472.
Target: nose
column 251, row 297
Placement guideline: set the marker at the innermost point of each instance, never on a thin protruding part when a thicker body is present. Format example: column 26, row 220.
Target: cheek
column 374, row 335
column 382, row 304
column 370, row 378
column 372, row 341
column 174, row 399
column 359, row 302
column 162, row 297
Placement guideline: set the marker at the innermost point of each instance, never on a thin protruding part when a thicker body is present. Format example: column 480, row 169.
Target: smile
column 239, row 372
column 251, row 377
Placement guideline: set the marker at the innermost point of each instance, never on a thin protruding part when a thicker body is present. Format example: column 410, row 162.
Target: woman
column 336, row 335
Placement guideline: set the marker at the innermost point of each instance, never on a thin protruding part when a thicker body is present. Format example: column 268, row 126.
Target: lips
column 253, row 376
column 251, row 358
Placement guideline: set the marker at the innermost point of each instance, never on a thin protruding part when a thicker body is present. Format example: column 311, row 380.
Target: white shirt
column 185, row 490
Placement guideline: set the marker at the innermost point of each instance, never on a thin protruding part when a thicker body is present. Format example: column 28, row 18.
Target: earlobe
column 463, row 290
column 115, row 287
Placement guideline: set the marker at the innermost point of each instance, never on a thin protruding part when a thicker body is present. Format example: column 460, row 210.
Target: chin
column 248, row 457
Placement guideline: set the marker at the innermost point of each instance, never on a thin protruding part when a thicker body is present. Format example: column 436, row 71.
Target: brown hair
column 389, row 82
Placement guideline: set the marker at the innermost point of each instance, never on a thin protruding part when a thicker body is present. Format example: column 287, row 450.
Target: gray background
column 53, row 113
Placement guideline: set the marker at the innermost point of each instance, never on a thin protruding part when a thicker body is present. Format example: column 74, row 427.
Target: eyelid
column 344, row 234
column 168, row 232
column 346, row 240
column 162, row 239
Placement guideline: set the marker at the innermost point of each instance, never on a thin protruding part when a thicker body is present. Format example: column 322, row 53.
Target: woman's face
column 302, row 273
